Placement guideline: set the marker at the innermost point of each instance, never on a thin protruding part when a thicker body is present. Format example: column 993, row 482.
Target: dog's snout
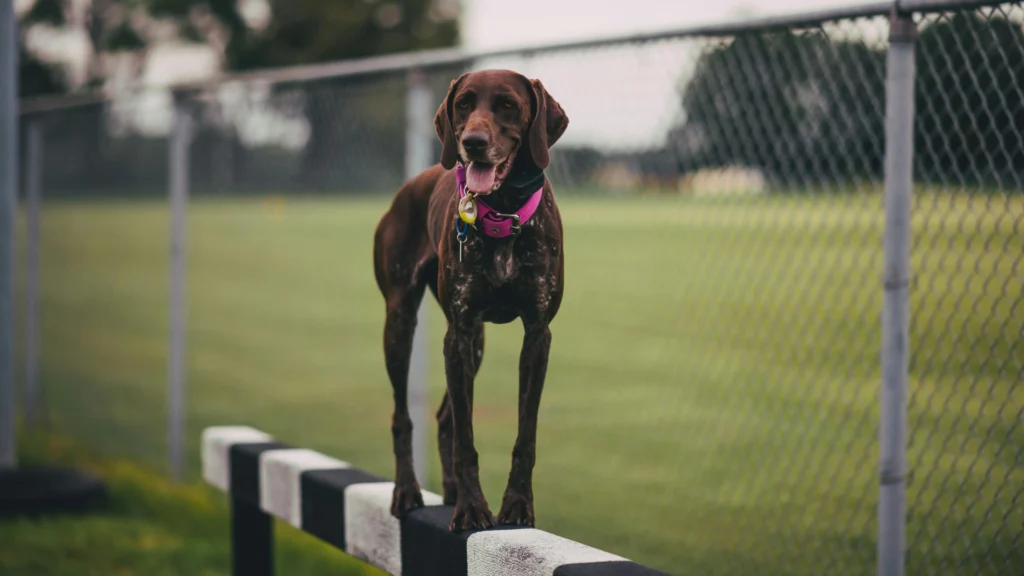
column 475, row 141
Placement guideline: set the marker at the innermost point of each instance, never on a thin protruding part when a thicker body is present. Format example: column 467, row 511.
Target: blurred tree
column 312, row 31
column 298, row 31
column 338, row 113
column 809, row 110
column 111, row 27
column 970, row 101
column 35, row 76
column 115, row 36
column 801, row 107
column 306, row 31
column 302, row 32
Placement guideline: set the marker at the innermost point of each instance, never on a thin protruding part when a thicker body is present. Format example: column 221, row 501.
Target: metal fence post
column 419, row 137
column 179, row 183
column 33, row 191
column 8, row 203
column 899, row 164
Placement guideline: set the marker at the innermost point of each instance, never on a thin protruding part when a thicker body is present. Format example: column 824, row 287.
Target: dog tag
column 467, row 209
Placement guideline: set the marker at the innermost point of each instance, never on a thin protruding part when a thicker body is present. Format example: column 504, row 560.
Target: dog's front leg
column 517, row 505
column 471, row 509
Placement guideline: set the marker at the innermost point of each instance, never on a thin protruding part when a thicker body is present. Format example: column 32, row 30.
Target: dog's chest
column 526, row 259
column 503, row 268
column 504, row 277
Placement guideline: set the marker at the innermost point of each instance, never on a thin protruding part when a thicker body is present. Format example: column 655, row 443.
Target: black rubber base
column 39, row 491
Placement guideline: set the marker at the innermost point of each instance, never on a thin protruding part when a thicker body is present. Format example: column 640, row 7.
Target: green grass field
column 152, row 527
column 711, row 401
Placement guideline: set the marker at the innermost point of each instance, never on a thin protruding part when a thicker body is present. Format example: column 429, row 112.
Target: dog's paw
column 471, row 516
column 516, row 510
column 405, row 499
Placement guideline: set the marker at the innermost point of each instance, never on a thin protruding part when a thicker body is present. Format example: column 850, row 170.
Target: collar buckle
column 516, row 226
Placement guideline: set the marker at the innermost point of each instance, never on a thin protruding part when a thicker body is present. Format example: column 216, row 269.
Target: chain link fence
column 967, row 366
column 713, row 393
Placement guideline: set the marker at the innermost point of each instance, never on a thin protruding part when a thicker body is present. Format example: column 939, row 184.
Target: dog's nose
column 474, row 142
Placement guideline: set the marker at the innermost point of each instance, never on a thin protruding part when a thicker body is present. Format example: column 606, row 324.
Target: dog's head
column 489, row 117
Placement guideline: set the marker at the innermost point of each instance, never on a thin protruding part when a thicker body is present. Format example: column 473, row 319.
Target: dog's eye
column 462, row 105
column 508, row 104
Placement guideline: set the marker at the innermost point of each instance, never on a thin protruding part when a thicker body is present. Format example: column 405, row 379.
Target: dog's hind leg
column 446, row 425
column 403, row 263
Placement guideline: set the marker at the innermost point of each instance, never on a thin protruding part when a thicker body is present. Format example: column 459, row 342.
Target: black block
column 244, row 463
column 323, row 501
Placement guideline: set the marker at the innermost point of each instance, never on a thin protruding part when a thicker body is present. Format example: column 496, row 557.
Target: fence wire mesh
column 712, row 393
column 967, row 363
column 102, row 320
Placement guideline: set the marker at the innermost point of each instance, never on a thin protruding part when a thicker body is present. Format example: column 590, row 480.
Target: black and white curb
column 350, row 509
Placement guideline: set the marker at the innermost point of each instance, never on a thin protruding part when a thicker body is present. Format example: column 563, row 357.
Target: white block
column 280, row 488
column 217, row 442
column 526, row 552
column 371, row 532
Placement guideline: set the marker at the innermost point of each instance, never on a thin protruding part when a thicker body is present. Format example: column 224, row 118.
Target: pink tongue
column 480, row 177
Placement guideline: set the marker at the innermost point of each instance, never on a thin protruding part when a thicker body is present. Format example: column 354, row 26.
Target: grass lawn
column 152, row 527
column 711, row 401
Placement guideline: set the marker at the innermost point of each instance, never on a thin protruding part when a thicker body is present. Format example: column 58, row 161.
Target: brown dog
column 497, row 126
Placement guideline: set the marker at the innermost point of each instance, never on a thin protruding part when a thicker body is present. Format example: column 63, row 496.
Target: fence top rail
column 939, row 5
column 455, row 56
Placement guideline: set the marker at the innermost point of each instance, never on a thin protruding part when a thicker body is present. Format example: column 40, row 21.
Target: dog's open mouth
column 483, row 178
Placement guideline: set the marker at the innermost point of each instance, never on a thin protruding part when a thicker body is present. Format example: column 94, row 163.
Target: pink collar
column 494, row 223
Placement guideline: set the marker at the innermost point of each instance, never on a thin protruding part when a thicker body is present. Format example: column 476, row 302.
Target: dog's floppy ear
column 444, row 129
column 547, row 125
